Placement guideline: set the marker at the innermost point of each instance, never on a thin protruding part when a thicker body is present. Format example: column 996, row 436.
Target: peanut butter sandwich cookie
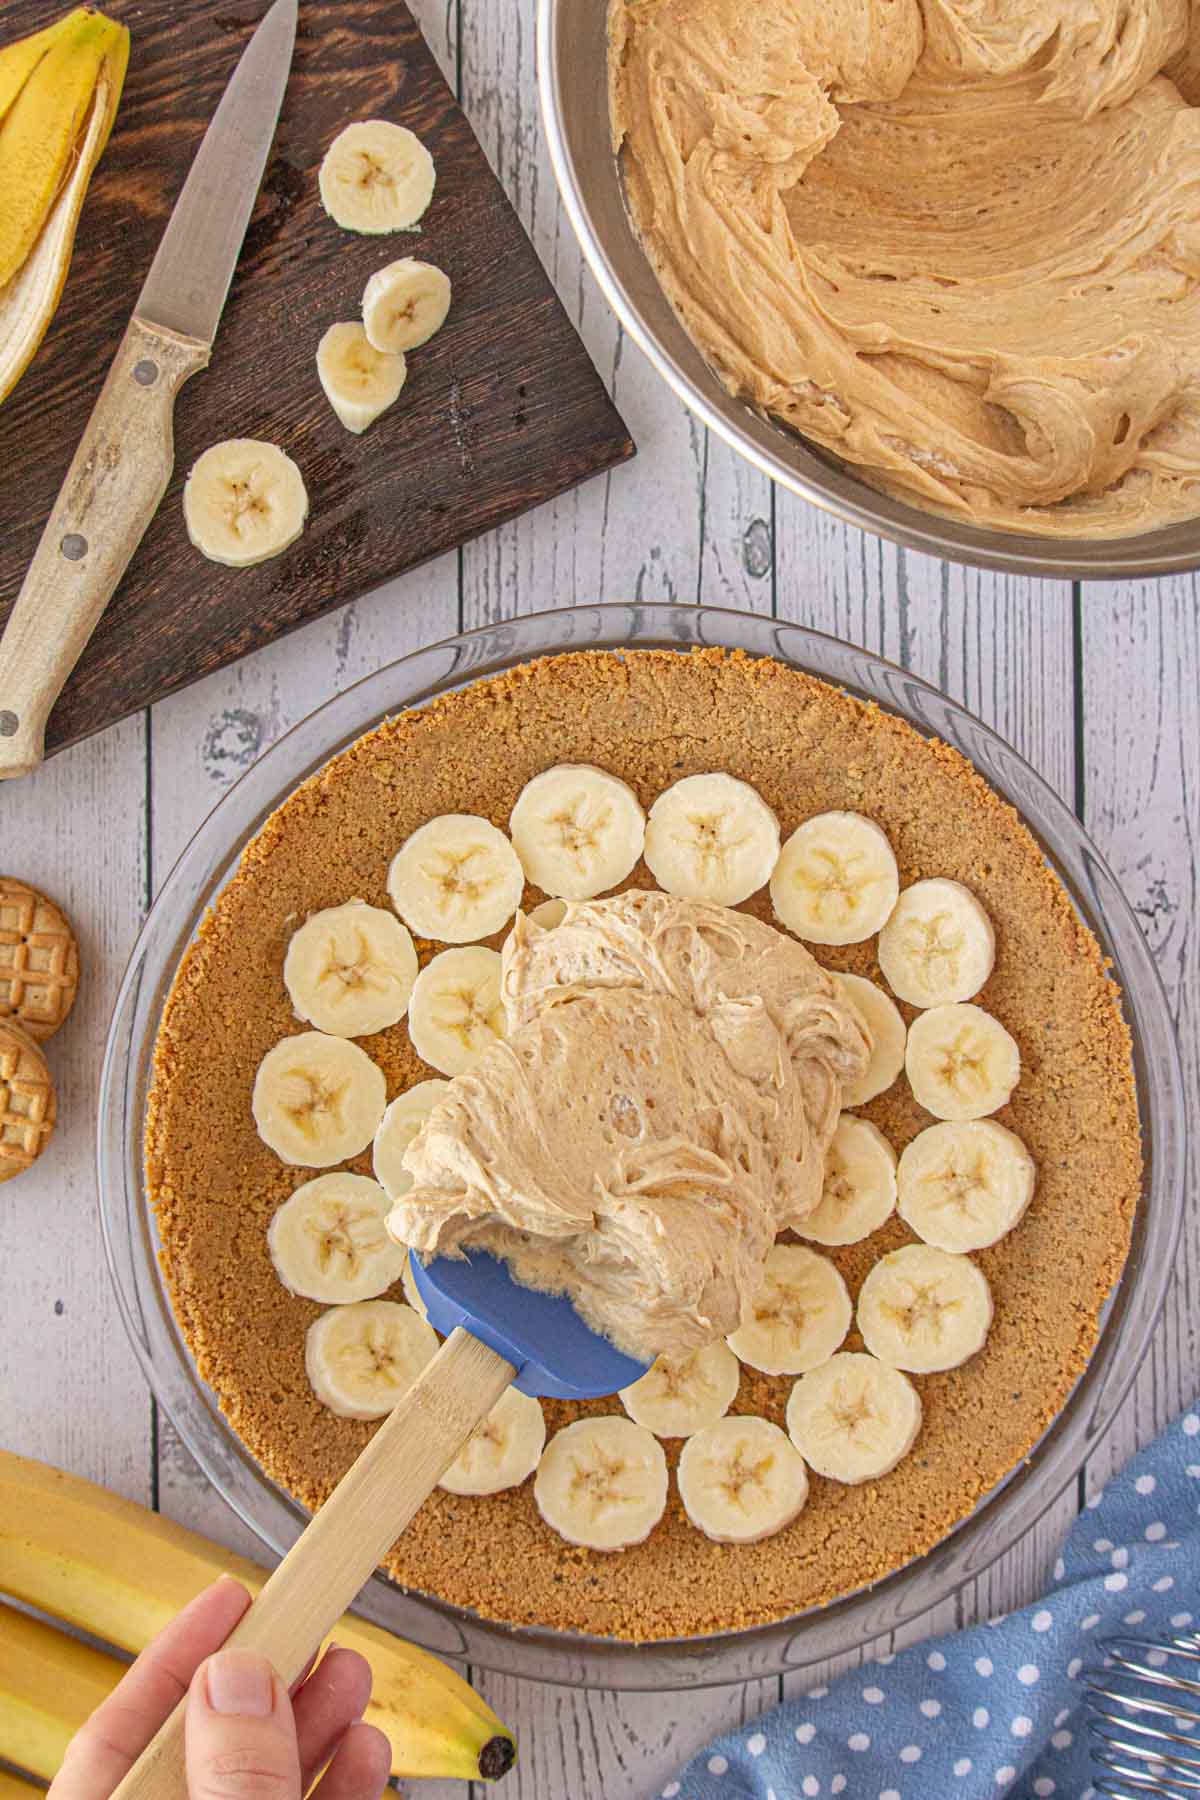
column 39, row 959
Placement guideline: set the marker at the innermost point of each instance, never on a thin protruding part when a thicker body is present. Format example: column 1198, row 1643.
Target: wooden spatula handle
column 367, row 1511
column 113, row 488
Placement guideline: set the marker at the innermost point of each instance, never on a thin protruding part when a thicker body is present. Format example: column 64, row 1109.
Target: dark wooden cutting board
column 502, row 410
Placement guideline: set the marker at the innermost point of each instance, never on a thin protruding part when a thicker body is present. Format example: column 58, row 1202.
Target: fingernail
column 241, row 1683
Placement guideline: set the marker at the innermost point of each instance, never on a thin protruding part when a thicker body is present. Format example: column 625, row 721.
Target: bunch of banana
column 59, row 91
column 113, row 1569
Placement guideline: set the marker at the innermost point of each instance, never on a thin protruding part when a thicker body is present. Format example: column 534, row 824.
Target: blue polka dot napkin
column 996, row 1710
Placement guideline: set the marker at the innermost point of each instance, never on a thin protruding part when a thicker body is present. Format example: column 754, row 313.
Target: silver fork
column 1143, row 1716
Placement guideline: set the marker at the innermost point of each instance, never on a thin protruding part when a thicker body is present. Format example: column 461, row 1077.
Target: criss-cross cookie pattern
column 39, row 959
column 27, row 1103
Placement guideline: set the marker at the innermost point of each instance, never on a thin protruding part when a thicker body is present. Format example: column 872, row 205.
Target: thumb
column 241, row 1737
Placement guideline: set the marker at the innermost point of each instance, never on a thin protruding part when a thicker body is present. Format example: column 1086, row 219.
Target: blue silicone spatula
column 541, row 1335
column 498, row 1333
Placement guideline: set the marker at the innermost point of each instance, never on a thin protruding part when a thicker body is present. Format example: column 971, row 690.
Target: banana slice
column 938, row 946
column 836, row 879
column 960, row 1061
column 504, row 1450
column 329, row 1242
column 397, row 1129
column 549, row 914
column 456, row 879
column 853, row 1419
column 602, row 1482
column 361, row 1360
column 859, row 1191
column 244, row 501
column 964, row 1185
column 887, row 1032
column 577, row 831
column 922, row 1309
column 376, row 177
column 456, row 1011
column 317, row 1099
column 350, row 969
column 359, row 381
column 741, row 1480
column 681, row 1394
column 404, row 304
column 799, row 1316
column 711, row 837
column 411, row 1291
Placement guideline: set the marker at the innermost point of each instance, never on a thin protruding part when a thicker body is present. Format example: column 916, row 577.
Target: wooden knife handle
column 113, row 488
column 371, row 1505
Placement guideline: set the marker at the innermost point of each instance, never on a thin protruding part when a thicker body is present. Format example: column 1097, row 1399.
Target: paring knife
column 126, row 456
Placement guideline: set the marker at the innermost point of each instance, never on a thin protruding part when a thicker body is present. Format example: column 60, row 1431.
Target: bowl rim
column 574, row 1659
column 910, row 527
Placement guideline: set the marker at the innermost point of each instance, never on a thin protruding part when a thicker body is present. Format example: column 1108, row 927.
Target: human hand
column 247, row 1739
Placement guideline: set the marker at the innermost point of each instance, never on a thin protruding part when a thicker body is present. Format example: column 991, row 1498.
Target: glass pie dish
column 574, row 1658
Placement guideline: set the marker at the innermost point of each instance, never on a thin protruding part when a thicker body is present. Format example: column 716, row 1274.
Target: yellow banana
column 119, row 1572
column 13, row 1788
column 49, row 1683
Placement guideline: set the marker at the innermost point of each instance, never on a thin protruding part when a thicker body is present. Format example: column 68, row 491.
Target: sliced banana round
column 456, row 879
column 455, row 1011
column 411, row 1291
column 317, row 1099
column 404, row 304
column 711, row 837
column 349, row 970
column 329, row 1241
column 836, row 879
column 887, row 1032
column 741, row 1480
column 398, row 1127
column 938, row 946
column 244, row 501
column 602, row 1482
column 961, row 1062
column 853, row 1419
column 681, row 1394
column 549, row 914
column 964, row 1184
column 923, row 1309
column 798, row 1317
column 503, row 1452
column 359, row 381
column 577, row 830
column 376, row 177
column 859, row 1191
column 361, row 1360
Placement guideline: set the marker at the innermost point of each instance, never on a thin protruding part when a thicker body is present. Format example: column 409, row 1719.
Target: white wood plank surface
column 70, row 1391
column 101, row 826
column 1140, row 678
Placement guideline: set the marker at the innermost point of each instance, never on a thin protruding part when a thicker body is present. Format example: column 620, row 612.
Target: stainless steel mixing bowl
column 571, row 74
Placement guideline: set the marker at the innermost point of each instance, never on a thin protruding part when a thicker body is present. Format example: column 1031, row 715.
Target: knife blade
column 193, row 266
column 124, row 461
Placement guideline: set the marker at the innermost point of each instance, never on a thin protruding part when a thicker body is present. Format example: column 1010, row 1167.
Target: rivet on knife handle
column 116, row 480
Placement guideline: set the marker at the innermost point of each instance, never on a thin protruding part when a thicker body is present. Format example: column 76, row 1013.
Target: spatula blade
column 554, row 1352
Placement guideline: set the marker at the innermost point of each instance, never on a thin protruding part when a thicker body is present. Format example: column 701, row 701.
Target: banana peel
column 120, row 1573
column 59, row 92
column 49, row 1684
column 19, row 60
